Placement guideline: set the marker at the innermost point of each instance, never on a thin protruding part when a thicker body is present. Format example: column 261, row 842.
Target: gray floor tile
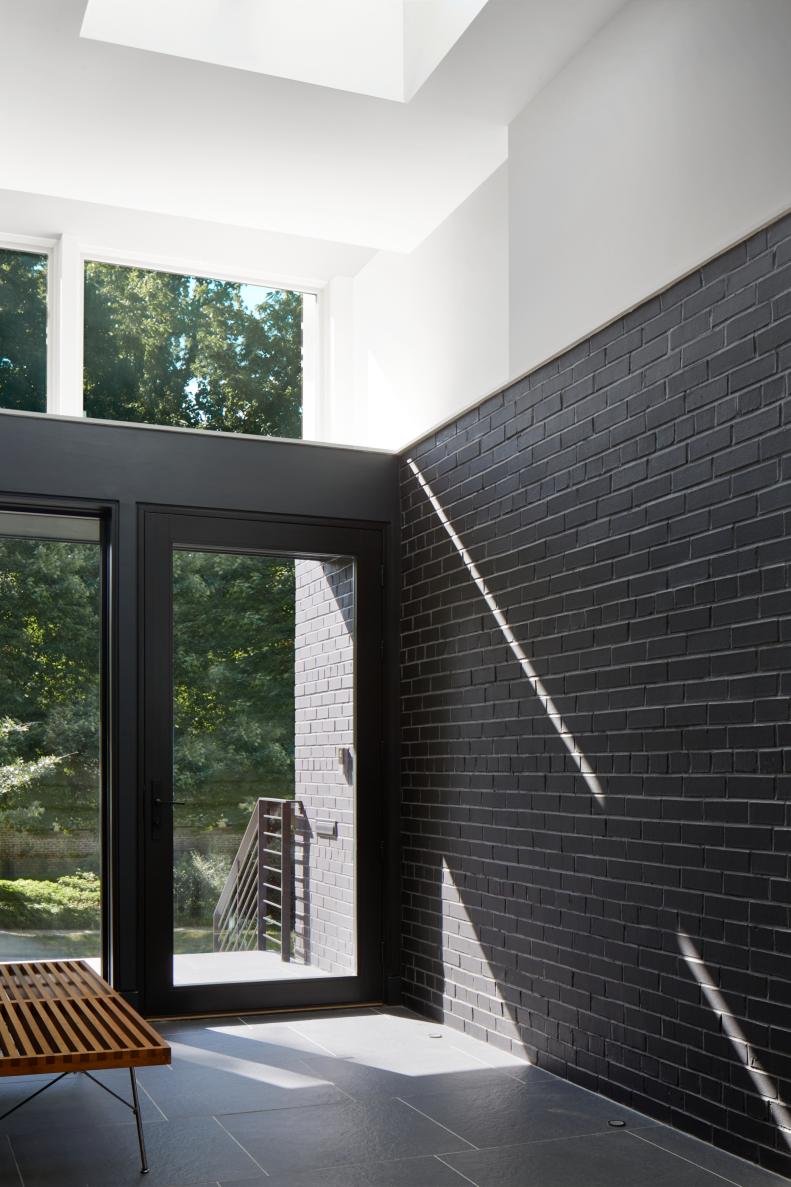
column 277, row 1036
column 418, row 1087
column 404, row 1172
column 412, row 1081
column 613, row 1159
column 354, row 1098
column 338, row 1135
column 350, row 1035
column 487, row 1053
column 746, row 1174
column 9, row 1176
column 191, row 1151
column 376, row 1054
column 222, row 1074
column 72, row 1101
column 514, row 1112
column 211, row 1093
column 273, row 1044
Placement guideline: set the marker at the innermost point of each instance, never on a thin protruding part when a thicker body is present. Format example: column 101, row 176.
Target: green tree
column 49, row 684
column 181, row 350
column 233, row 647
column 233, row 683
column 23, row 331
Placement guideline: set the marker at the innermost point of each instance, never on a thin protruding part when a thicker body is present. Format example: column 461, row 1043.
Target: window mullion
column 65, row 333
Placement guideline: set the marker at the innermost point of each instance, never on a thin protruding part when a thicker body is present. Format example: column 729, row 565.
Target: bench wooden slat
column 35, row 1025
column 143, row 1031
column 67, row 1041
column 142, row 1043
column 61, row 1016
column 94, row 1016
column 24, row 1044
column 71, row 1018
column 34, row 982
column 85, row 982
column 7, row 1039
column 9, row 983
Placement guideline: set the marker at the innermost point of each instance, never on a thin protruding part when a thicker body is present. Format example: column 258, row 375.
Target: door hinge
column 382, row 576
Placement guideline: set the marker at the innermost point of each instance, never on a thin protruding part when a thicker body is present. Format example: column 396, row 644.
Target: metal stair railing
column 255, row 910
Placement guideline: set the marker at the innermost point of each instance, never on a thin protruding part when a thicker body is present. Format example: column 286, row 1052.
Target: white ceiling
column 104, row 123
column 384, row 48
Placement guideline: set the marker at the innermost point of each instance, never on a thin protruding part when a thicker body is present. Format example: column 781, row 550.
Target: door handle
column 157, row 804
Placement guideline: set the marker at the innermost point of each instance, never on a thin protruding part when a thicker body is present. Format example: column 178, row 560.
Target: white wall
column 430, row 30
column 431, row 327
column 123, row 127
column 665, row 140
column 218, row 249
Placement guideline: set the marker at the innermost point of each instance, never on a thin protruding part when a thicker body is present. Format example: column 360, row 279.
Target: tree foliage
column 50, row 641
column 233, row 684
column 233, row 647
column 72, row 901
column 161, row 348
column 179, row 350
column 23, row 331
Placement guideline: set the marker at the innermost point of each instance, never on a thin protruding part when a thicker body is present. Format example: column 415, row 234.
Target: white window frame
column 40, row 246
column 66, row 260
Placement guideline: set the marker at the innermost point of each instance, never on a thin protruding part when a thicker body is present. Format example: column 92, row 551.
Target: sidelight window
column 50, row 737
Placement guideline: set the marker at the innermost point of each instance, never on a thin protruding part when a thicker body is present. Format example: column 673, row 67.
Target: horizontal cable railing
column 255, row 910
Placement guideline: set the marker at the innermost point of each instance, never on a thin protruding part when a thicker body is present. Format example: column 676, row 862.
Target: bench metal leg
column 135, row 1107
column 139, row 1120
column 33, row 1095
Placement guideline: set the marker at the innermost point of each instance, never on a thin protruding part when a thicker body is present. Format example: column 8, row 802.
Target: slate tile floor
column 355, row 1098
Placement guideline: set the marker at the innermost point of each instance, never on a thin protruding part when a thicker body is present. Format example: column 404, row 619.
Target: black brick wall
column 628, row 507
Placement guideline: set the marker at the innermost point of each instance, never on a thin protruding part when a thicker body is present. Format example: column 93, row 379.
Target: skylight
column 384, row 48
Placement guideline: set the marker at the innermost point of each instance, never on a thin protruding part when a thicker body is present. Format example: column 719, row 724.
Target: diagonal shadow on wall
column 538, row 912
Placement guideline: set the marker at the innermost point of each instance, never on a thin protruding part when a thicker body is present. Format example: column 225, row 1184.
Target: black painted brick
column 628, row 507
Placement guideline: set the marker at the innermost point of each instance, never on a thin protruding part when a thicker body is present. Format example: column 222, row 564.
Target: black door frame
column 162, row 529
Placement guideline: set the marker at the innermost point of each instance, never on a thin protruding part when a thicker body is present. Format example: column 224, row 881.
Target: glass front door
column 262, row 739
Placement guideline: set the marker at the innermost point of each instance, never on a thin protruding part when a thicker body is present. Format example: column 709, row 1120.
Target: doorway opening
column 263, row 767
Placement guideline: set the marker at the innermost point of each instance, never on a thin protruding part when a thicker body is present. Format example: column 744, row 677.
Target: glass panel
column 264, row 778
column 166, row 349
column 27, row 524
column 50, row 669
column 23, row 331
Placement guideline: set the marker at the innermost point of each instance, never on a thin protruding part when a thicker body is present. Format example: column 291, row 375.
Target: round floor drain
column 617, row 1124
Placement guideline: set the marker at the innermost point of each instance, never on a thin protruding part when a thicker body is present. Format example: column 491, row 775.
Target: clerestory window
column 94, row 338
column 23, row 330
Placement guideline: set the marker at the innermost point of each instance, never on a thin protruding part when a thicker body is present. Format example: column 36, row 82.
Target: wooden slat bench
column 59, row 1016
